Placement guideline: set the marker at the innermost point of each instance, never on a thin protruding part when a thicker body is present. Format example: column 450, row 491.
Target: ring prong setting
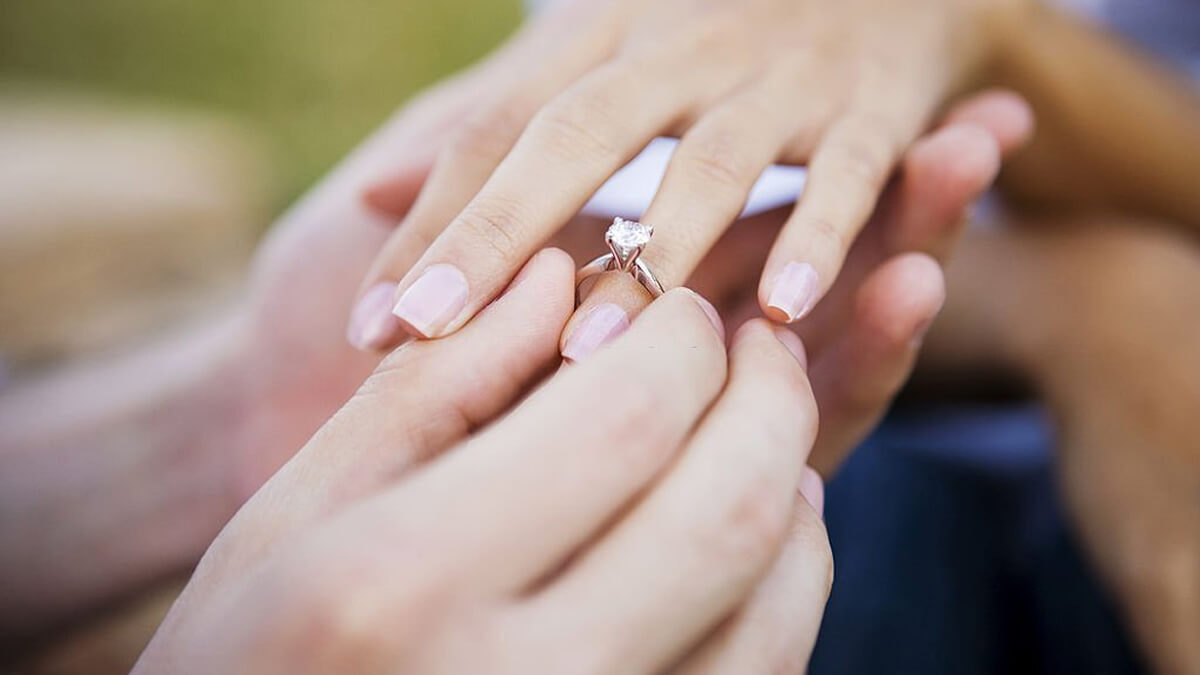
column 626, row 239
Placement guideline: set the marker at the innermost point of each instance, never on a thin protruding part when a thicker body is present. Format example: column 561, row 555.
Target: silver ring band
column 626, row 240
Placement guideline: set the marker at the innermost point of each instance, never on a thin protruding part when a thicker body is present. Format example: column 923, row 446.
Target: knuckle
column 861, row 161
column 487, row 134
column 752, row 526
column 580, row 126
column 497, row 224
column 349, row 613
column 639, row 419
column 826, row 237
column 710, row 27
column 427, row 425
column 718, row 162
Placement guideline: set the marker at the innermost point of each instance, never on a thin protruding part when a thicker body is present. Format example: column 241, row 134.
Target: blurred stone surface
column 116, row 221
column 107, row 644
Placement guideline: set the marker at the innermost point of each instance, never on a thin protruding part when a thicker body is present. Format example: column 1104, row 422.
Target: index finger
column 513, row 503
column 571, row 147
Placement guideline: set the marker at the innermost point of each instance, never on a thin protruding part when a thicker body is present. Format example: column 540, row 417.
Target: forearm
column 111, row 477
column 1116, row 131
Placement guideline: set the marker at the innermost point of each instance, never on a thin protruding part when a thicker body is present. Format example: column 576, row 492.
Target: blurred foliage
column 313, row 76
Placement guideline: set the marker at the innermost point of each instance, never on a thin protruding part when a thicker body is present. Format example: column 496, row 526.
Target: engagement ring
column 626, row 240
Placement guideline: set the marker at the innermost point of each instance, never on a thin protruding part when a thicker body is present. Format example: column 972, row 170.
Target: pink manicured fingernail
column 795, row 291
column 812, row 488
column 711, row 312
column 372, row 325
column 433, row 301
column 602, row 324
column 794, row 344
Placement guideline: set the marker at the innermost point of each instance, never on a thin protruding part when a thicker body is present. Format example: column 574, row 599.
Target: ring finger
column 703, row 191
column 572, row 145
column 474, row 150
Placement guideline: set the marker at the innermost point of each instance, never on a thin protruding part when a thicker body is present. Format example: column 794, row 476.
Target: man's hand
column 620, row 518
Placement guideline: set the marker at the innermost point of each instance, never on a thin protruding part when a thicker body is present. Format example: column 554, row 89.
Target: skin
column 891, row 287
column 1121, row 392
column 741, row 96
column 569, row 574
column 207, row 416
column 1171, row 134
column 1098, row 161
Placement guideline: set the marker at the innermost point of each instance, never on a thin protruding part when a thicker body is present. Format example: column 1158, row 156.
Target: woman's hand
column 844, row 87
column 619, row 519
column 294, row 353
column 863, row 340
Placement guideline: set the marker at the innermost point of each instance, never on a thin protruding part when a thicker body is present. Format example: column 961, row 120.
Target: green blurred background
column 311, row 77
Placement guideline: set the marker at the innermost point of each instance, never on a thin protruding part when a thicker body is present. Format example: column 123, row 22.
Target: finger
column 569, row 149
column 422, row 189
column 846, row 175
column 514, row 502
column 774, row 632
column 924, row 210
column 427, row 124
column 942, row 175
column 701, row 540
column 504, row 71
column 705, row 187
column 857, row 376
column 474, row 148
column 424, row 397
column 1005, row 114
column 393, row 197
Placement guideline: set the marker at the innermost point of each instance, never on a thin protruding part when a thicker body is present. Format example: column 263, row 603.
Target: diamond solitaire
column 627, row 238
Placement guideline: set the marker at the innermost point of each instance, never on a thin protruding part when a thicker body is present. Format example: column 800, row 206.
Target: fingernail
column 600, row 325
column 433, row 301
column 794, row 344
column 372, row 325
column 812, row 488
column 794, row 292
column 711, row 313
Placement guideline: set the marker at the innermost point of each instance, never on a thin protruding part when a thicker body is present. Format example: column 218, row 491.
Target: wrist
column 139, row 445
column 1011, row 25
column 184, row 438
column 1005, row 27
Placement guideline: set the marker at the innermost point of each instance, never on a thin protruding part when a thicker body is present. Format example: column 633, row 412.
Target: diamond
column 629, row 234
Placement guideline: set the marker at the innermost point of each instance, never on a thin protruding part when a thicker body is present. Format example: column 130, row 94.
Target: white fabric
column 629, row 191
column 1164, row 25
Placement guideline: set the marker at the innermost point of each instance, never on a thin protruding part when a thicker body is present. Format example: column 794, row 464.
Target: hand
column 619, row 519
column 864, row 338
column 295, row 355
column 292, row 367
column 845, row 88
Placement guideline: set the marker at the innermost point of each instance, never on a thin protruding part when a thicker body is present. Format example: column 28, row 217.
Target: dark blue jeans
column 952, row 555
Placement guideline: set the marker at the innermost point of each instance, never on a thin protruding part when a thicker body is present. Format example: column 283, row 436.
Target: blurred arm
column 110, row 478
column 1116, row 131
